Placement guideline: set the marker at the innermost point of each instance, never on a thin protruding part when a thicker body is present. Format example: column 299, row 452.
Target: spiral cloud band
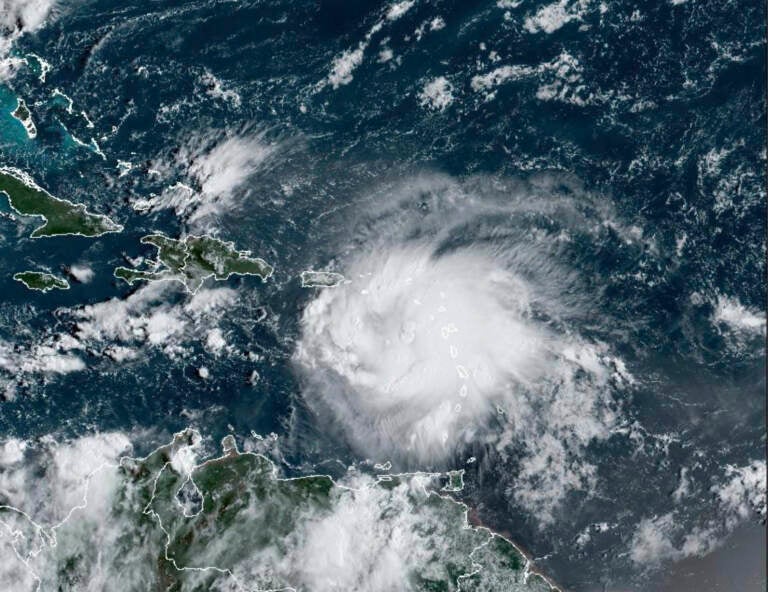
column 437, row 342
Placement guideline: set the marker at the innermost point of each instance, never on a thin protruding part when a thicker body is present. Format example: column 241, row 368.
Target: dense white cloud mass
column 428, row 348
column 30, row 14
column 426, row 345
column 16, row 18
column 744, row 492
column 353, row 549
column 737, row 317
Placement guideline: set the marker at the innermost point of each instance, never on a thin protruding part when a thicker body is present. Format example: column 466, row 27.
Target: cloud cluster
column 120, row 329
column 435, row 344
column 56, row 502
column 16, row 18
column 740, row 494
column 215, row 171
column 99, row 516
column 347, row 62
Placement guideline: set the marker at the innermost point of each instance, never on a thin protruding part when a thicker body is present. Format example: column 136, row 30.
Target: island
column 42, row 281
column 320, row 279
column 169, row 521
column 61, row 217
column 193, row 259
column 22, row 114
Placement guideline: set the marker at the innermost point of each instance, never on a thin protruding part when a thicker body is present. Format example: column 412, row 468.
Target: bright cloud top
column 16, row 18
column 437, row 344
column 426, row 344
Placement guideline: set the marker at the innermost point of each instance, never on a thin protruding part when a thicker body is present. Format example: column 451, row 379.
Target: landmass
column 39, row 280
column 22, row 114
column 193, row 259
column 61, row 217
column 167, row 522
column 320, row 279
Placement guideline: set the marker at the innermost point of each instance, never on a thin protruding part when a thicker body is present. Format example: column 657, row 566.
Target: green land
column 320, row 279
column 25, row 118
column 231, row 524
column 194, row 259
column 61, row 217
column 38, row 280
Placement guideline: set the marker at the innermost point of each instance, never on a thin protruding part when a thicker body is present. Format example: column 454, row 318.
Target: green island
column 193, row 259
column 61, row 217
column 320, row 279
column 39, row 280
column 22, row 114
column 166, row 522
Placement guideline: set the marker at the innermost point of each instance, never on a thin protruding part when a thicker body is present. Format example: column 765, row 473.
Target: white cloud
column 658, row 540
column 120, row 329
column 437, row 94
column 215, row 341
column 61, row 500
column 46, row 358
column 30, row 14
column 224, row 169
column 398, row 9
column 216, row 171
column 741, row 494
column 683, row 489
column 78, row 504
column 552, row 17
column 651, row 541
column 425, row 350
column 56, row 477
column 344, row 64
column 410, row 338
column 18, row 17
column 353, row 549
column 12, row 451
column 738, row 317
column 149, row 317
column 744, row 492
column 561, row 80
column 144, row 315
column 217, row 89
column 82, row 273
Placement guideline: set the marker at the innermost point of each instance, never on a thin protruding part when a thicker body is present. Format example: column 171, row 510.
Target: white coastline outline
column 41, row 273
column 30, row 182
column 229, row 447
column 167, row 275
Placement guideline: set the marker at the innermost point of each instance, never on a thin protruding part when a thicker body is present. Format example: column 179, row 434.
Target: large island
column 60, row 216
column 193, row 259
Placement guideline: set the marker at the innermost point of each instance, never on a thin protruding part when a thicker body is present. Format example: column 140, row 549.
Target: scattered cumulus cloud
column 215, row 172
column 553, row 17
column 437, row 94
column 345, row 63
column 740, row 495
column 560, row 80
column 120, row 329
